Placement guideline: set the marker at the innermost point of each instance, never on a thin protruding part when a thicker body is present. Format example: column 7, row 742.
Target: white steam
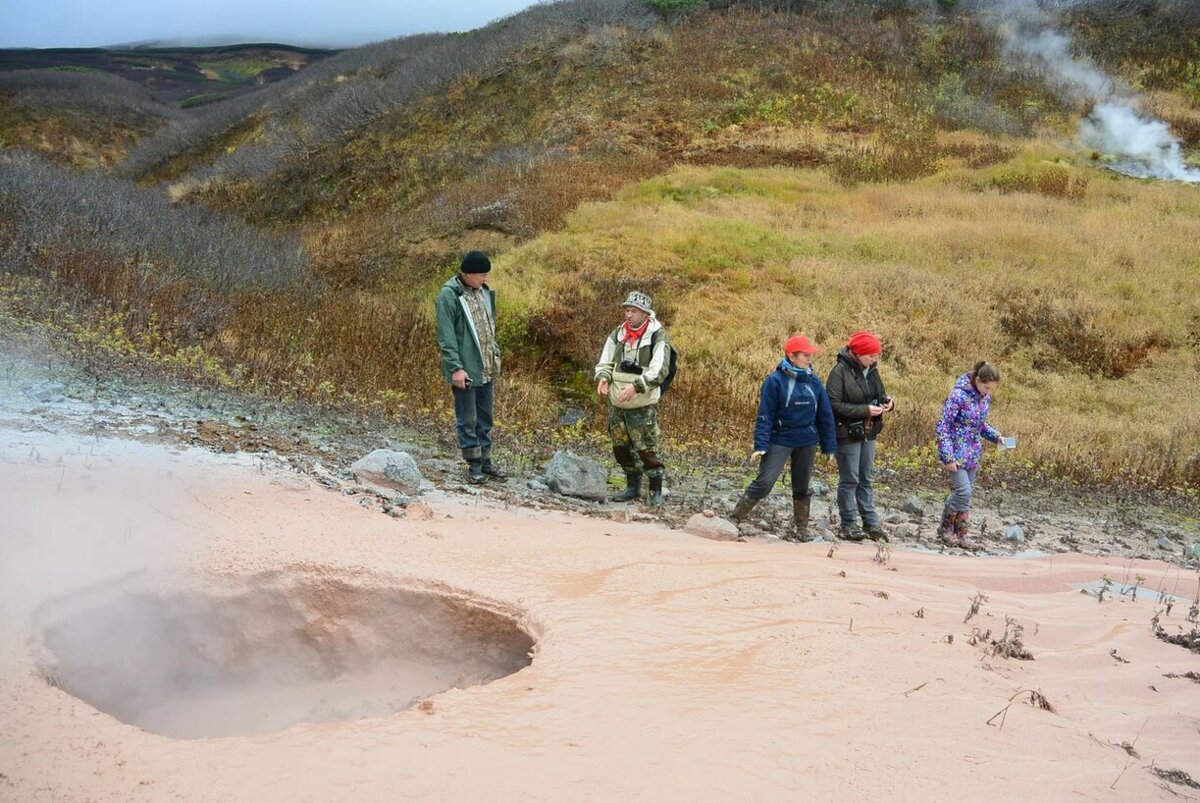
column 1137, row 143
column 1143, row 147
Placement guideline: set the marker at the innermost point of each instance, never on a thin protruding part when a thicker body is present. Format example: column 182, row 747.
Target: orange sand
column 667, row 667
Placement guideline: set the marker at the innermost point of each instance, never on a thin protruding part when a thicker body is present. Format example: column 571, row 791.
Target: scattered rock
column 621, row 515
column 1165, row 544
column 538, row 485
column 913, row 505
column 895, row 518
column 418, row 511
column 1015, row 534
column 717, row 529
column 389, row 468
column 290, row 481
column 722, row 484
column 818, row 488
column 571, row 417
column 571, row 475
column 49, row 392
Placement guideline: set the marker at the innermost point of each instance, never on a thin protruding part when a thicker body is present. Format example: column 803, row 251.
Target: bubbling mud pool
column 260, row 654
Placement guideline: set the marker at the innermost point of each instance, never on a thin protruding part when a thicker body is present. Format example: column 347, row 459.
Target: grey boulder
column 571, row 475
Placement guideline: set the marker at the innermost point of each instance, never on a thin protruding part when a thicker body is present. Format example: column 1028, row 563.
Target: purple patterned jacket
column 964, row 419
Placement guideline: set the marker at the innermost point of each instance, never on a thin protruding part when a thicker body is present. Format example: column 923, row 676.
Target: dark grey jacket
column 850, row 393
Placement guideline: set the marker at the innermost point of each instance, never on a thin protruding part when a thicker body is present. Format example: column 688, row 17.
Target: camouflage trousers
column 634, row 436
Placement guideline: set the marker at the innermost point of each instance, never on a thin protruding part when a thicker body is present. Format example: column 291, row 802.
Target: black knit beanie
column 476, row 262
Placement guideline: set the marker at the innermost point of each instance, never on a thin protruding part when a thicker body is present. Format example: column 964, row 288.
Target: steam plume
column 1138, row 144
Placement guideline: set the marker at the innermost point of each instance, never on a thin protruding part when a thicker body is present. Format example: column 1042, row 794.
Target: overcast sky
column 330, row 23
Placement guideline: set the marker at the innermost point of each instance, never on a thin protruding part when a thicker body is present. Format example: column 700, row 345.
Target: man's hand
column 874, row 410
column 626, row 394
column 459, row 379
column 602, row 388
column 891, row 405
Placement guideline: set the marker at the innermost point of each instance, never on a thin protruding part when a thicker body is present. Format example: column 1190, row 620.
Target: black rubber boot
column 742, row 509
column 633, row 489
column 656, row 492
column 475, row 473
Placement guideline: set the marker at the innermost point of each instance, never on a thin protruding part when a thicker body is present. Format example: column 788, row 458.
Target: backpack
column 672, row 365
column 672, row 359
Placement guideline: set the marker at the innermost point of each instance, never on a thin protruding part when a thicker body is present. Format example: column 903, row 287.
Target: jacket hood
column 455, row 284
column 799, row 374
column 964, row 383
column 844, row 355
column 653, row 326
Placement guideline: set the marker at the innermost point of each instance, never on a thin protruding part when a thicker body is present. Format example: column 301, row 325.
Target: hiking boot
column 633, row 489
column 742, row 509
column 656, row 491
column 875, row 532
column 851, row 532
column 492, row 470
column 475, row 474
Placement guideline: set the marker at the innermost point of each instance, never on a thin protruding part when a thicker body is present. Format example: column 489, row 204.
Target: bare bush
column 100, row 94
column 51, row 212
column 345, row 92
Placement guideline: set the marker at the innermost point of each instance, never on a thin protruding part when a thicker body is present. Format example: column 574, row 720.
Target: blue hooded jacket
column 794, row 411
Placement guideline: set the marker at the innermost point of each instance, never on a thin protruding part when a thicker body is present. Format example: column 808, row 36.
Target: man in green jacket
column 466, row 324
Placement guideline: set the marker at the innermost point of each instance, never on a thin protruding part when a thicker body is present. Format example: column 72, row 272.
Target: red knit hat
column 864, row 343
column 799, row 343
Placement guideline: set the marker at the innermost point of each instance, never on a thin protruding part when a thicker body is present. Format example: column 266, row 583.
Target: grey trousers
column 962, row 484
column 856, row 476
column 770, row 466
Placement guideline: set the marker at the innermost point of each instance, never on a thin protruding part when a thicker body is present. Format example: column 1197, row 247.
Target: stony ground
column 43, row 393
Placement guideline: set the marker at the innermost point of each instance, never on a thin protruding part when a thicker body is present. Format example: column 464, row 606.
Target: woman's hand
column 602, row 388
column 756, row 454
column 950, row 467
column 626, row 394
column 874, row 410
column 889, row 406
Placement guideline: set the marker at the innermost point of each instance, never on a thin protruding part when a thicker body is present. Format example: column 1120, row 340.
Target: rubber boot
column 633, row 489
column 946, row 528
column 962, row 531
column 742, row 509
column 656, row 492
column 800, row 510
column 475, row 473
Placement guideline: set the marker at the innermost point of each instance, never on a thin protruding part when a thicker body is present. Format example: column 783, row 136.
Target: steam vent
column 272, row 652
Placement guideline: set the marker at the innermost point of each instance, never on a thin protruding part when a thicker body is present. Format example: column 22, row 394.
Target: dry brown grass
column 1093, row 323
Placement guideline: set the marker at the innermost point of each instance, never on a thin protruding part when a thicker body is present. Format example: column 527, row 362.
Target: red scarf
column 630, row 335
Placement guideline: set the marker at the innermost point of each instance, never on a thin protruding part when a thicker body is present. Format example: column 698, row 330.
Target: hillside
column 827, row 167
column 88, row 106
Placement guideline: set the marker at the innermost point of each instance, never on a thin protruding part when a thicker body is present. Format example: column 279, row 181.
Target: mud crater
column 271, row 651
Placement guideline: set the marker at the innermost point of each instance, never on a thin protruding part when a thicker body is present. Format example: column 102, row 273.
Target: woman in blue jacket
column 794, row 418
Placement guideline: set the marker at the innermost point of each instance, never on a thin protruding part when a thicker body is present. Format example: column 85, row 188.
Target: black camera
column 629, row 366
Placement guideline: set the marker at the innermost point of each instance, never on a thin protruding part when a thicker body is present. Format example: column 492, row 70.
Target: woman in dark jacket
column 859, row 401
column 794, row 417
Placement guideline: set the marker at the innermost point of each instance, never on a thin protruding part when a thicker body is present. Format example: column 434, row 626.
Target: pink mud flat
column 487, row 654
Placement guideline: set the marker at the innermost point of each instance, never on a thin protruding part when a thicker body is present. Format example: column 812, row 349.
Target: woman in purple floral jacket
column 964, row 421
